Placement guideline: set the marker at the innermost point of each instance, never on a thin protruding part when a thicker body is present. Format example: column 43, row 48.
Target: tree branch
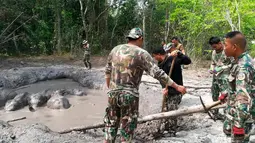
column 228, row 18
column 9, row 39
column 19, row 27
column 11, row 24
column 239, row 18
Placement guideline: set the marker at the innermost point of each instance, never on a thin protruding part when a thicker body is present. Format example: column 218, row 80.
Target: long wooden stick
column 164, row 97
column 158, row 116
column 187, row 86
column 17, row 119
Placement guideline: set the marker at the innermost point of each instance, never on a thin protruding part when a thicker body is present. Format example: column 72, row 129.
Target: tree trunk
column 238, row 14
column 57, row 26
column 15, row 44
column 83, row 14
column 59, row 32
column 113, row 30
column 144, row 29
column 166, row 25
column 149, row 36
column 228, row 18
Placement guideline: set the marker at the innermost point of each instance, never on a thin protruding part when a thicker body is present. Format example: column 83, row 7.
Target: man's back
column 126, row 64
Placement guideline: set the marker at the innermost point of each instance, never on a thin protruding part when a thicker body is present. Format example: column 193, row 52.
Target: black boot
column 89, row 65
column 85, row 64
column 238, row 139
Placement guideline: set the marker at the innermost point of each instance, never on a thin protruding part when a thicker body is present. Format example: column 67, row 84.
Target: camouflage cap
column 135, row 33
column 84, row 42
column 168, row 46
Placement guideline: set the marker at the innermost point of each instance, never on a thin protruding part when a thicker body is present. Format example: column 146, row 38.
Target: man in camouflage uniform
column 220, row 67
column 86, row 59
column 173, row 97
column 240, row 96
column 125, row 66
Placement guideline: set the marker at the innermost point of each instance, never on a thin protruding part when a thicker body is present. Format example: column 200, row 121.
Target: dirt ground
column 8, row 63
column 87, row 110
column 97, row 62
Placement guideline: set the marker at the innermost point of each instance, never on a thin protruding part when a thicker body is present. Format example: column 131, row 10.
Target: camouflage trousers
column 172, row 103
column 86, row 61
column 218, row 86
column 238, row 116
column 122, row 113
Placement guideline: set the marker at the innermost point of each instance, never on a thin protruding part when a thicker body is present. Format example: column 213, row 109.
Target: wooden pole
column 164, row 96
column 158, row 116
column 17, row 119
column 187, row 86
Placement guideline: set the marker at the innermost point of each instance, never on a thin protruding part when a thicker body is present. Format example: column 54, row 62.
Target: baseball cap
column 168, row 46
column 84, row 42
column 135, row 33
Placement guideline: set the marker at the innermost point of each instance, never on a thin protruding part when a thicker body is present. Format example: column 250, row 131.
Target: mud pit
column 85, row 109
column 89, row 109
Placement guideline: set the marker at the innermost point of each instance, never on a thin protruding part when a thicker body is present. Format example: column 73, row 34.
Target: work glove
column 223, row 98
column 239, row 134
column 238, row 131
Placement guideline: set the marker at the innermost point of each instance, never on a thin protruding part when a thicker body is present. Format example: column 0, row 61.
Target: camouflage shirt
column 220, row 60
column 86, row 50
column 125, row 66
column 242, row 81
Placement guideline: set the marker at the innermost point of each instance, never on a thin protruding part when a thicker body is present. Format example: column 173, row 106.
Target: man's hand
column 181, row 89
column 107, row 82
column 165, row 91
column 174, row 53
column 212, row 71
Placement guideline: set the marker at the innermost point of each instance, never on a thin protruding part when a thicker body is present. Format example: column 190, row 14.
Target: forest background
column 57, row 27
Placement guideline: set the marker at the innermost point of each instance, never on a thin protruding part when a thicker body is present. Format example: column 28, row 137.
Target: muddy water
column 85, row 110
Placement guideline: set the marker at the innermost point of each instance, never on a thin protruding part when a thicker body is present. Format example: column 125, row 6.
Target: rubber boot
column 89, row 65
column 238, row 139
column 85, row 64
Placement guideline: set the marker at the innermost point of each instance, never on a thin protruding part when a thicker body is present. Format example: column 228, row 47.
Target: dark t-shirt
column 177, row 70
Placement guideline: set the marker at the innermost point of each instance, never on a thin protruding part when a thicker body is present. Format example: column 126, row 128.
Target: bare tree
column 83, row 14
column 230, row 21
column 239, row 17
column 58, row 35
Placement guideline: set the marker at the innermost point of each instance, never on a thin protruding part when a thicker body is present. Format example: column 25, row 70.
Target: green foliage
column 52, row 26
column 251, row 49
column 195, row 21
